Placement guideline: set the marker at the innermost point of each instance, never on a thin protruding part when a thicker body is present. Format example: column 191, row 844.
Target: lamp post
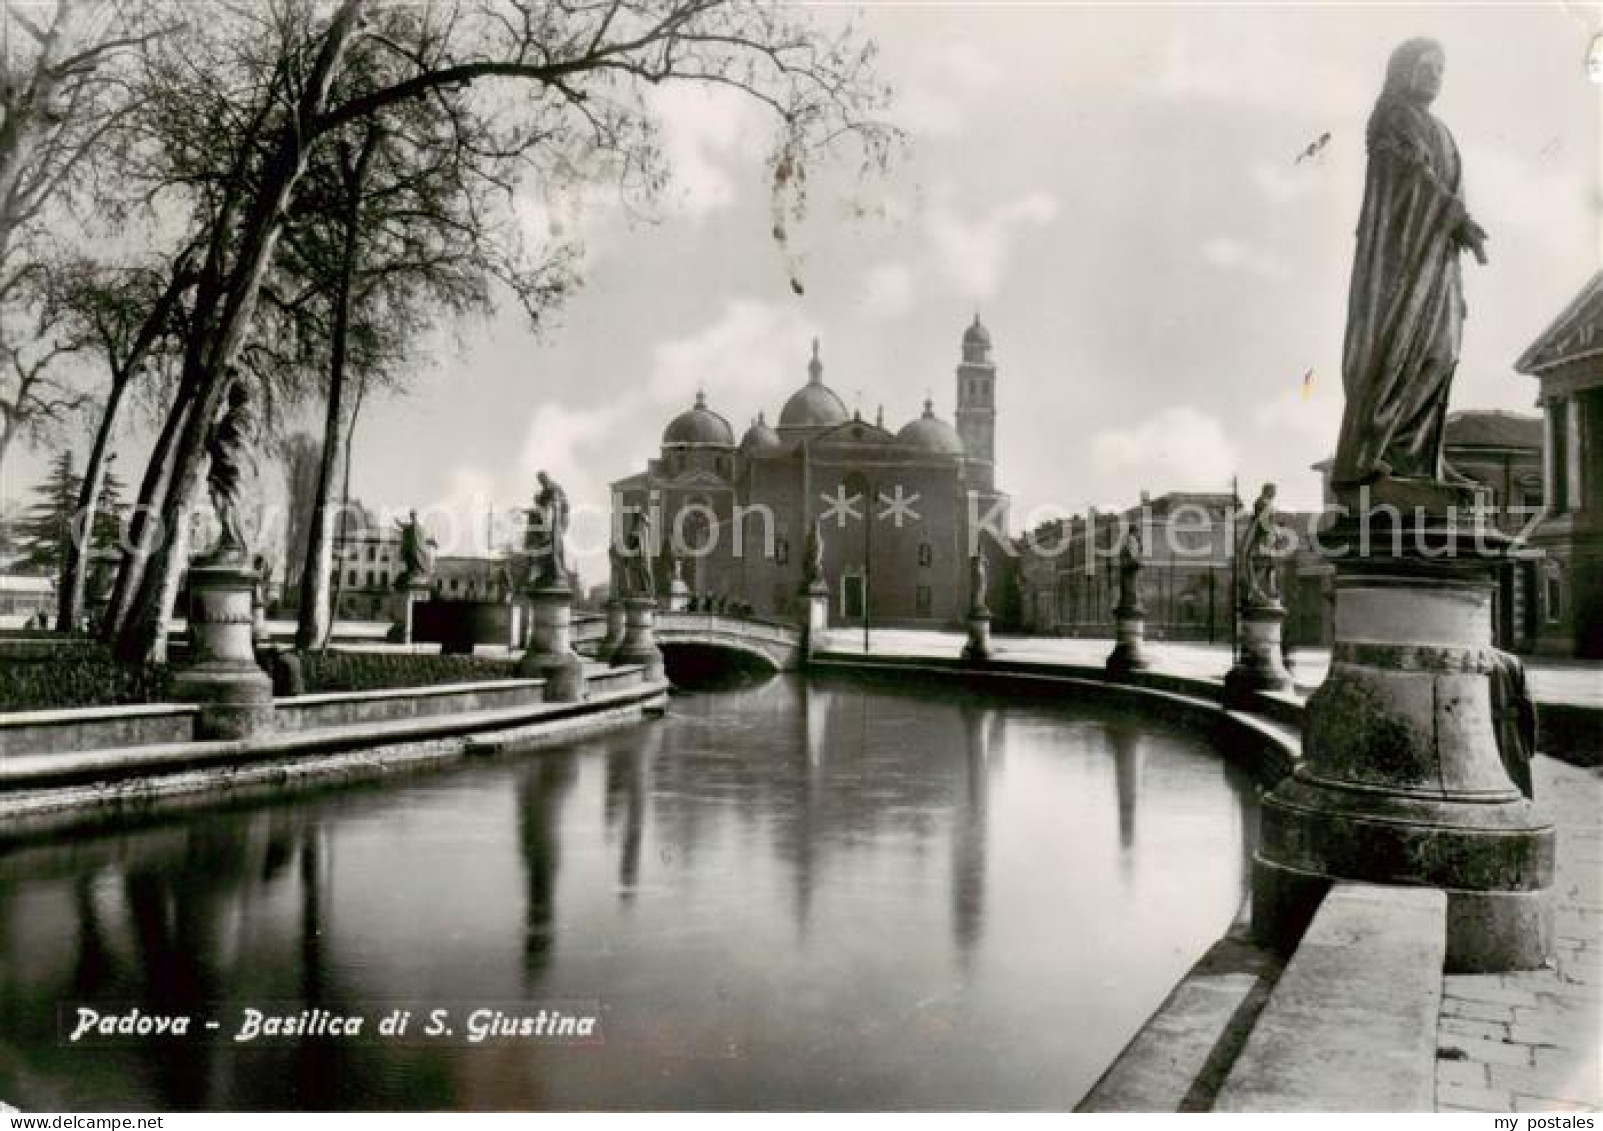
column 868, row 554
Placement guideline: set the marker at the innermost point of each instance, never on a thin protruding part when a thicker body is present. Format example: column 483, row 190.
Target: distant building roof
column 1490, row 428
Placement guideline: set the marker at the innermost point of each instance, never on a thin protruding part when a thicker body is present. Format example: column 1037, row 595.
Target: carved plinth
column 408, row 592
column 815, row 625
column 978, row 646
column 614, row 637
column 1402, row 780
column 1262, row 665
column 234, row 693
column 1129, row 635
column 639, row 638
column 550, row 655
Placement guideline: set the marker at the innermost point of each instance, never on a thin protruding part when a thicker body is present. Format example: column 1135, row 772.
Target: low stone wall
column 344, row 708
column 108, row 789
column 1351, row 1024
column 1258, row 740
column 95, row 728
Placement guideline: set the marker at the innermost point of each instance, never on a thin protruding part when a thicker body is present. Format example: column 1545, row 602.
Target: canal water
column 797, row 894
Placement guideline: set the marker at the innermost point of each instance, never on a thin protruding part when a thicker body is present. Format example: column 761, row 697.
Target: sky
column 1115, row 189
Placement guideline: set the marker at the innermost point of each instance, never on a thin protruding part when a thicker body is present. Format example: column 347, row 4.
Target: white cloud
column 971, row 252
column 707, row 135
column 1284, row 183
column 1255, row 68
column 888, row 291
column 940, row 96
column 1230, row 254
column 753, row 350
column 1180, row 448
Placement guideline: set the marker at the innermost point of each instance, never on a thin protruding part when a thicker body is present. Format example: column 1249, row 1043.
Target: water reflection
column 801, row 894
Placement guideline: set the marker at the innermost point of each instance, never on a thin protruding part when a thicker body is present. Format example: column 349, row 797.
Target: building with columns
column 899, row 511
column 1567, row 362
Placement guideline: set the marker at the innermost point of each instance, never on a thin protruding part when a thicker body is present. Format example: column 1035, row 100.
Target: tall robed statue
column 232, row 467
column 547, row 535
column 1405, row 310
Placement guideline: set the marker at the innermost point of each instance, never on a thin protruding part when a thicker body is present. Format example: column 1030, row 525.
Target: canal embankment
column 86, row 768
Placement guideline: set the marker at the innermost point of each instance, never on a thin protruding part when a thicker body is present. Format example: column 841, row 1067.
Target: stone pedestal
column 978, row 647
column 407, row 594
column 639, row 637
column 234, row 693
column 815, row 626
column 1402, row 780
column 1129, row 632
column 1261, row 665
column 550, row 655
column 614, row 637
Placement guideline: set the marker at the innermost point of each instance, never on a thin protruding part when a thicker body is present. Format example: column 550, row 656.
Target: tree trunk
column 144, row 530
column 316, row 611
column 137, row 637
column 75, row 571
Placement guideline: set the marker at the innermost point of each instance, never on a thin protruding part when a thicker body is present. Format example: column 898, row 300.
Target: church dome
column 931, row 434
column 759, row 438
column 699, row 427
column 815, row 404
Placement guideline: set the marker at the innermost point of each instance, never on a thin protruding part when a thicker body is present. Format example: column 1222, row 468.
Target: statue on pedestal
column 548, row 529
column 1405, row 311
column 417, row 555
column 813, row 558
column 1259, row 563
column 232, row 464
column 1129, row 571
column 979, row 583
column 631, row 559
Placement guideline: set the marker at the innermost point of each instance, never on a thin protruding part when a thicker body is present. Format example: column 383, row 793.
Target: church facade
column 898, row 513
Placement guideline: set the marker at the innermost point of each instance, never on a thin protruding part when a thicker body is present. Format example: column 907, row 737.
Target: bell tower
column 976, row 407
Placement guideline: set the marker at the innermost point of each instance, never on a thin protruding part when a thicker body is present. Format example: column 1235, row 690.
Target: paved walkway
column 1530, row 1041
column 1551, row 680
column 1505, row 1042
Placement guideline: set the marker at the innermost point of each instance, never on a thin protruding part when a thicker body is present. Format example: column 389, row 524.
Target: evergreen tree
column 41, row 536
column 45, row 530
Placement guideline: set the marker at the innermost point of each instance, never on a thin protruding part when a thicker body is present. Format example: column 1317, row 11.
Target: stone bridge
column 771, row 644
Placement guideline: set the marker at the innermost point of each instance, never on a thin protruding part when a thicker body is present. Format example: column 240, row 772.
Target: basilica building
column 898, row 512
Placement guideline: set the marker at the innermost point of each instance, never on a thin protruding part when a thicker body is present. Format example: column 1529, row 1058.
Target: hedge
column 78, row 674
column 370, row 671
column 57, row 676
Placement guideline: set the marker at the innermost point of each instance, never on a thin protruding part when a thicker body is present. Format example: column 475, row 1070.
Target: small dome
column 930, row 434
column 815, row 404
column 700, row 427
column 759, row 438
column 976, row 342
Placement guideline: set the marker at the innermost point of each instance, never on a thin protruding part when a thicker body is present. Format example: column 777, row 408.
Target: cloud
column 1283, row 184
column 1179, row 449
column 1245, row 61
column 1228, row 254
column 972, row 253
column 938, row 99
column 753, row 350
column 705, row 131
column 888, row 291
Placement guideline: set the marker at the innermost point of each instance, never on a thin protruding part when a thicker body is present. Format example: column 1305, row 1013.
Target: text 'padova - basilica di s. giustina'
column 898, row 512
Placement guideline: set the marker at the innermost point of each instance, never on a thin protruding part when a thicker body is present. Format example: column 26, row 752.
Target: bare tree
column 560, row 85
column 126, row 316
column 64, row 105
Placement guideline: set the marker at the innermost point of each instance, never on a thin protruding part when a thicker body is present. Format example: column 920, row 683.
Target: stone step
column 1178, row 1059
column 1351, row 1025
